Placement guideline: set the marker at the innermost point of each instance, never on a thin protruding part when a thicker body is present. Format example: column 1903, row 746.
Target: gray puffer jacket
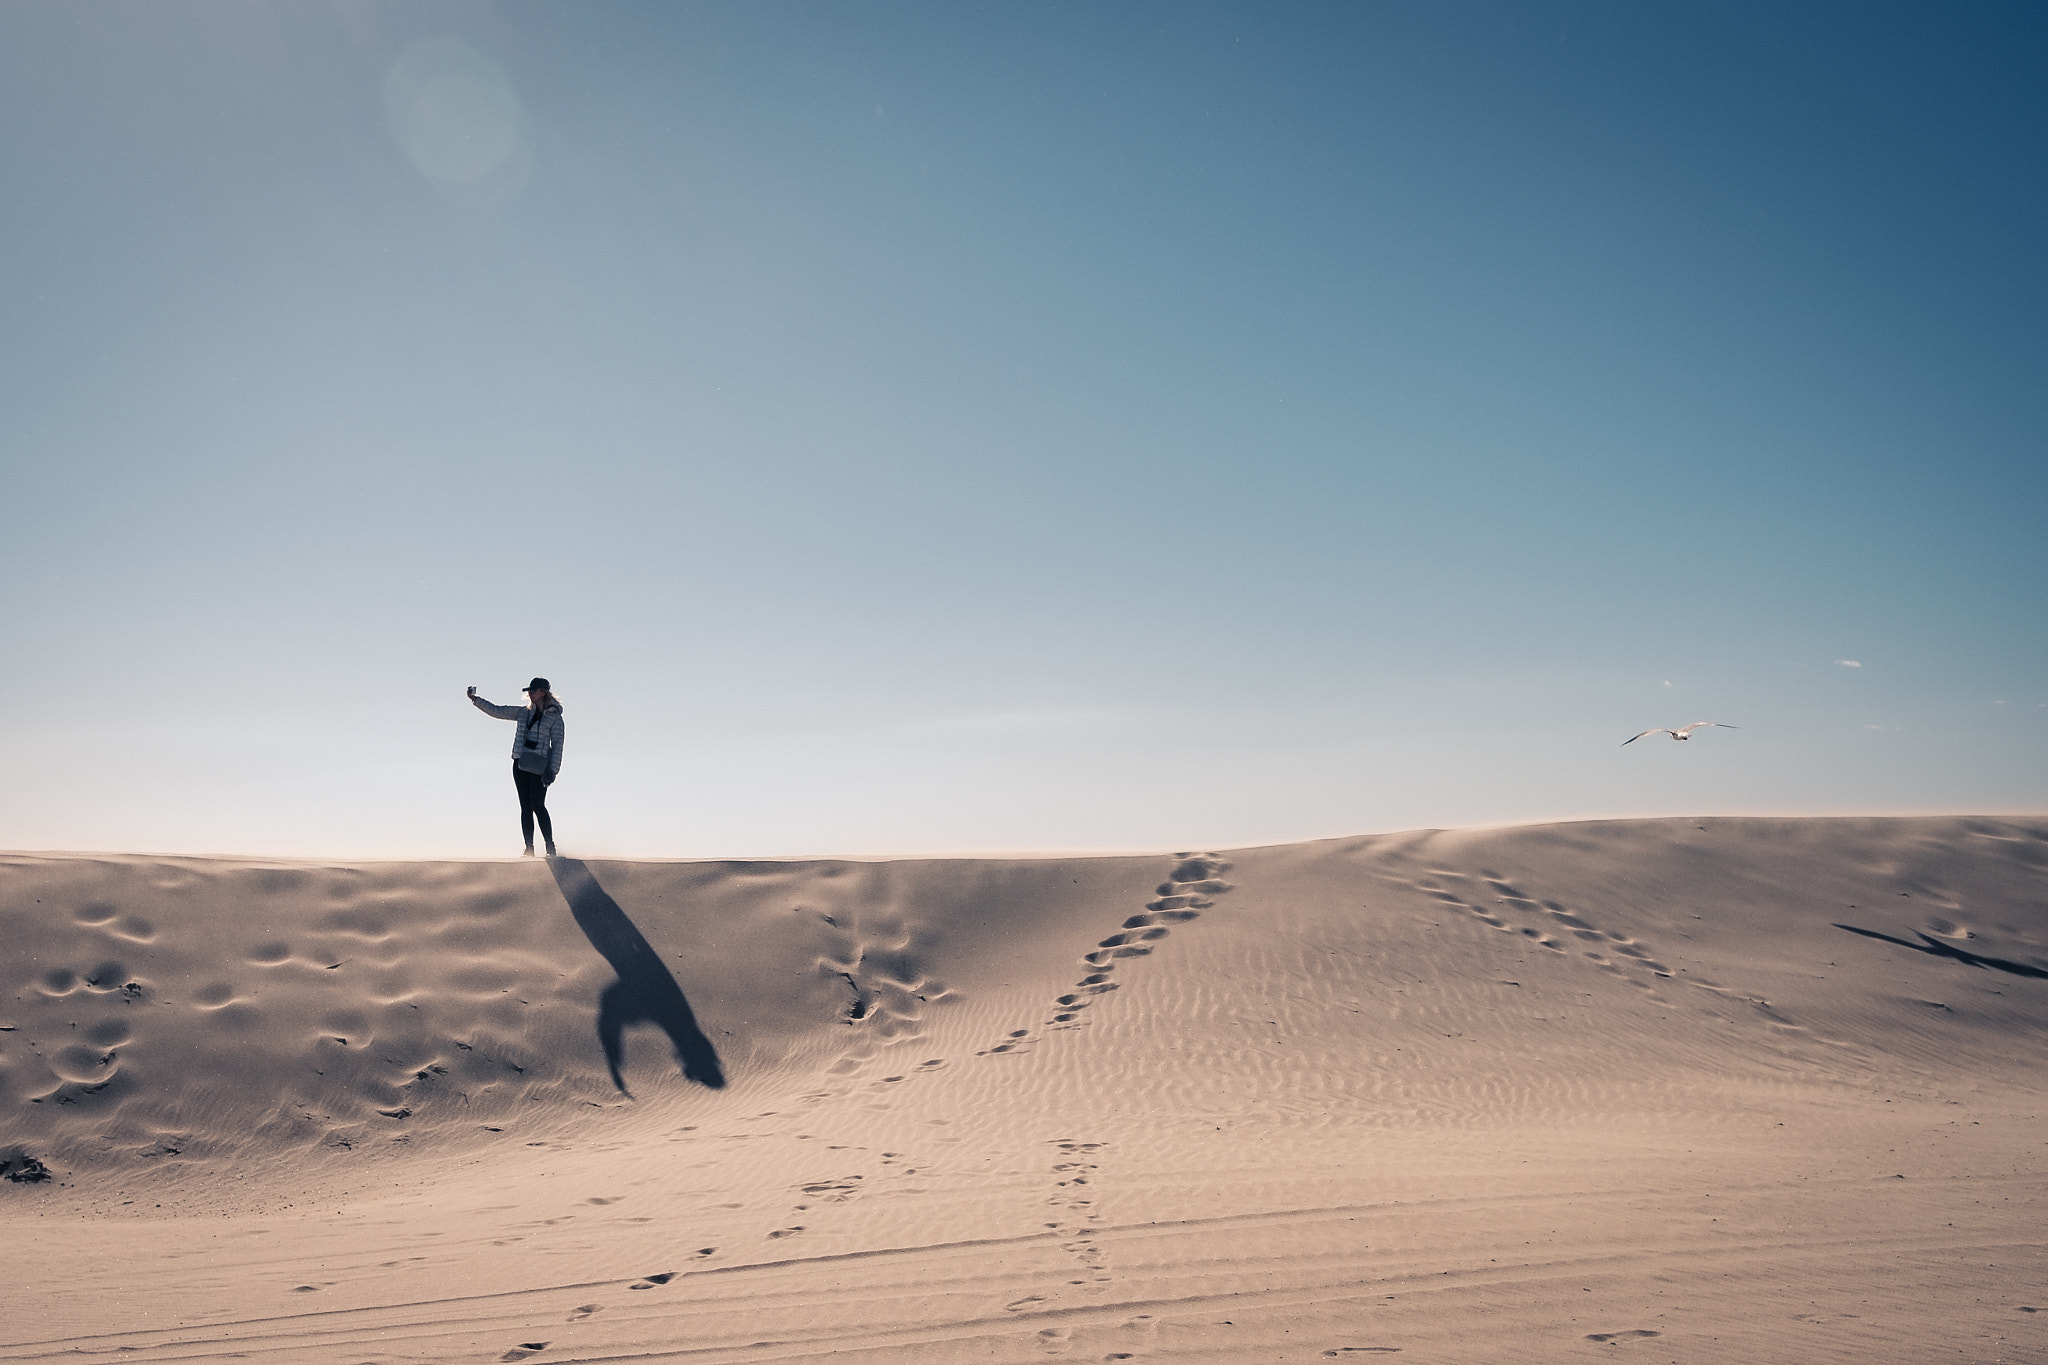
column 547, row 731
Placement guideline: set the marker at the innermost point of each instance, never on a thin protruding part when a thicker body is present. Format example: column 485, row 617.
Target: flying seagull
column 1685, row 733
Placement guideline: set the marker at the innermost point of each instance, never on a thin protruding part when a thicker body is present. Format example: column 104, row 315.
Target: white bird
column 1685, row 733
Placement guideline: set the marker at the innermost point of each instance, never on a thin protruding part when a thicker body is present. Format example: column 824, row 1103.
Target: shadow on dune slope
column 1937, row 948
column 645, row 993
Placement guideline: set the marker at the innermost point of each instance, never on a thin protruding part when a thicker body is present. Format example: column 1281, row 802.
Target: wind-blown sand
column 1569, row 1092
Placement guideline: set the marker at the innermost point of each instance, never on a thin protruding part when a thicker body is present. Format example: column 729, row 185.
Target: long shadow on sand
column 1939, row 949
column 645, row 993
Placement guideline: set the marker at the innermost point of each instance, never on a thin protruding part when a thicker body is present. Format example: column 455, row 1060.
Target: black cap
column 537, row 685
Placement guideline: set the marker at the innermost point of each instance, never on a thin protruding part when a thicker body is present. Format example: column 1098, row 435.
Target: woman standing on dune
column 536, row 755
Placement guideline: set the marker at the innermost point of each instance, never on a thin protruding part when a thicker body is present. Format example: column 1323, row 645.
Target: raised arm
column 501, row 712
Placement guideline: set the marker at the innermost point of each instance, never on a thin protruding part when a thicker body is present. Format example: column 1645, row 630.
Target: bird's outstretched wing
column 1705, row 724
column 1633, row 738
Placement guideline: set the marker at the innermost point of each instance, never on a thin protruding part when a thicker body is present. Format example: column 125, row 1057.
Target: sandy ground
column 1690, row 1090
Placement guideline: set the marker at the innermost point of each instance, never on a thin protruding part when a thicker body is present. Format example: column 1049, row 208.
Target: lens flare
column 452, row 110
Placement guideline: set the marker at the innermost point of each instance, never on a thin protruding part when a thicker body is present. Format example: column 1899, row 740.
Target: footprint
column 1013, row 1040
column 523, row 1350
column 108, row 1033
column 831, row 1191
column 84, row 1065
column 652, row 1280
column 1055, row 1340
column 107, row 976
column 1152, row 917
column 1021, row 1304
column 1199, row 868
column 582, row 1311
column 1615, row 1338
column 1080, row 995
column 781, row 1233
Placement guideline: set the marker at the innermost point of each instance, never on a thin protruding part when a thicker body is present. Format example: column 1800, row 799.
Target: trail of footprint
column 1189, row 889
column 1621, row 954
column 1514, row 902
column 1074, row 1208
column 1075, row 1218
column 1621, row 944
column 1548, row 922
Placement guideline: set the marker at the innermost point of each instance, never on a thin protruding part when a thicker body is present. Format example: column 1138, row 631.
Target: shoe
column 528, row 853
column 551, row 850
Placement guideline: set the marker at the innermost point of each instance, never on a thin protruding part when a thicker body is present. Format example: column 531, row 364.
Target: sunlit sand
column 1687, row 1090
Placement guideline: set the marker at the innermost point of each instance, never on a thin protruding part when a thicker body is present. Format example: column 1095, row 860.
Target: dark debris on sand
column 25, row 1170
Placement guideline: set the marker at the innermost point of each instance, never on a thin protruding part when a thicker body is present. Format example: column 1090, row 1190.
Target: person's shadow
column 645, row 992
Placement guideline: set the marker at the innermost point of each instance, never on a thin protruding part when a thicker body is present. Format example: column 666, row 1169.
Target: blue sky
column 909, row 427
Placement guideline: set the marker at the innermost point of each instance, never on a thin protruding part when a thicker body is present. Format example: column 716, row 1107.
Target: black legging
column 533, row 802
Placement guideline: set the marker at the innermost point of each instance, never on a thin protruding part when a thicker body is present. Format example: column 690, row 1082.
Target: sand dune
column 1688, row 1090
